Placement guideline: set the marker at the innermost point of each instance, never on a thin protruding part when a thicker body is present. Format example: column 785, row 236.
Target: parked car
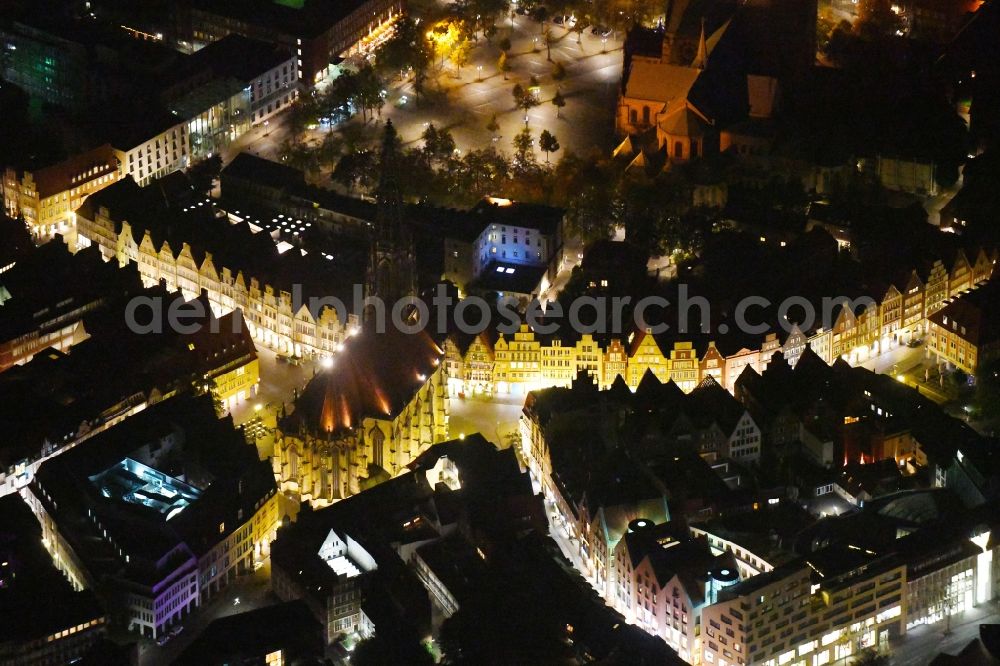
column 176, row 630
column 163, row 640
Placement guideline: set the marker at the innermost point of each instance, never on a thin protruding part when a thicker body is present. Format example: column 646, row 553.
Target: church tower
column 392, row 265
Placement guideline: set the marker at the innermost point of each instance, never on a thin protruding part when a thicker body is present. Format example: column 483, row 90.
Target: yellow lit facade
column 268, row 311
column 47, row 198
column 236, row 382
column 526, row 361
column 787, row 620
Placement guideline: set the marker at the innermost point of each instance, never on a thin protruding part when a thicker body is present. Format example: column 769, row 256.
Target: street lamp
column 604, row 44
column 479, row 69
column 266, row 123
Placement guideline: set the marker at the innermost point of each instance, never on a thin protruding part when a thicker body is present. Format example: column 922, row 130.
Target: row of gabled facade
column 718, row 597
column 526, row 360
column 607, row 498
column 273, row 317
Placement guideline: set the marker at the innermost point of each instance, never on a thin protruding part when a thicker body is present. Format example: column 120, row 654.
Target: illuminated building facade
column 47, row 618
column 159, row 564
column 805, row 613
column 965, row 333
column 154, row 152
column 45, row 296
column 515, row 233
column 47, row 198
column 378, row 405
column 199, row 258
column 316, row 32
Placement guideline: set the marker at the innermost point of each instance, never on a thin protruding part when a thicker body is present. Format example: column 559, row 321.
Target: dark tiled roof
column 545, row 219
column 36, row 599
column 376, row 375
column 288, row 626
column 505, row 277
column 311, row 19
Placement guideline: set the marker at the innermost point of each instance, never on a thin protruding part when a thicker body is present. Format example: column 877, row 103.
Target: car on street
column 163, row 640
column 521, row 10
column 600, row 31
column 176, row 630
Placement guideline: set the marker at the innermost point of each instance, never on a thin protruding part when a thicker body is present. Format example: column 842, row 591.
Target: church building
column 381, row 402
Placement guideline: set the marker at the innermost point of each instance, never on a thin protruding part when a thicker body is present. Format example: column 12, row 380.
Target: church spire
column 391, row 267
column 701, row 60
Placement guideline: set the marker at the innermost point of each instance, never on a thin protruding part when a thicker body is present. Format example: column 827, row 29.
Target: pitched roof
column 684, row 121
column 660, row 82
column 376, row 376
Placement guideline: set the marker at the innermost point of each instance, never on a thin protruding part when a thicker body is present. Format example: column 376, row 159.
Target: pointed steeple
column 701, row 60
column 392, row 266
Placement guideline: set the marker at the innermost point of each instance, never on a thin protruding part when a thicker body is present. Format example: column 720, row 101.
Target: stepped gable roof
column 376, row 375
column 160, row 210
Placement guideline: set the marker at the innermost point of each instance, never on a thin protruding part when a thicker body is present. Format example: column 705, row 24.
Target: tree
column 493, row 126
column 303, row 112
column 503, row 65
column 439, row 145
column 329, row 151
column 299, row 156
column 559, row 102
column 548, row 143
column 459, row 54
column 482, row 172
column 523, row 153
column 204, row 173
column 588, row 190
column 870, row 657
column 558, row 71
column 524, row 99
column 549, row 38
column 406, row 49
column 369, row 90
column 356, row 169
column 541, row 14
column 504, row 44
